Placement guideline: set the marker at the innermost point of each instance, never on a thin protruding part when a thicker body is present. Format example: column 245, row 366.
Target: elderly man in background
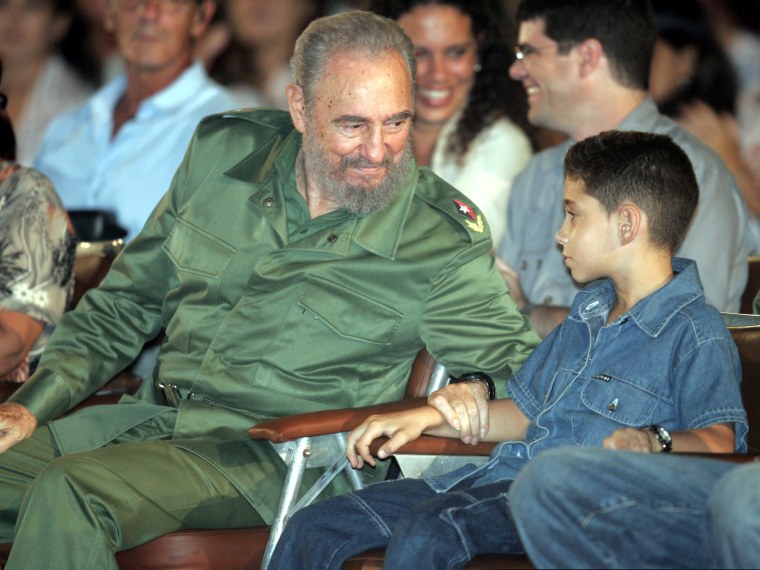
column 119, row 150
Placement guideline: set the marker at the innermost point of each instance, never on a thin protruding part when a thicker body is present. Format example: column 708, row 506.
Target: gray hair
column 355, row 31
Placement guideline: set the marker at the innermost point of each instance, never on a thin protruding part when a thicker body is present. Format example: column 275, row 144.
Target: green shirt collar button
column 332, row 238
column 269, row 202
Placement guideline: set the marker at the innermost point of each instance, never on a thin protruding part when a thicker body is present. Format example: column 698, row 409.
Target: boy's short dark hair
column 625, row 28
column 648, row 170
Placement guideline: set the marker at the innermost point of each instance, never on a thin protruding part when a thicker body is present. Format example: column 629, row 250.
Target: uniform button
column 332, row 238
column 523, row 265
column 269, row 202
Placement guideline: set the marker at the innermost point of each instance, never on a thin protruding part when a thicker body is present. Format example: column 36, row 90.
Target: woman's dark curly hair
column 494, row 94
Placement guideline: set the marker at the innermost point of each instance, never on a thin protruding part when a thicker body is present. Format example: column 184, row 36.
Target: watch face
column 663, row 436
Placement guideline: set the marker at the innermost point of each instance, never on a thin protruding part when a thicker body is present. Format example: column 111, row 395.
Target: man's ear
column 203, row 16
column 296, row 106
column 591, row 53
column 629, row 223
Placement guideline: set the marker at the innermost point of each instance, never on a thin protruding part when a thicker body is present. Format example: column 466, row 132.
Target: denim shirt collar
column 649, row 314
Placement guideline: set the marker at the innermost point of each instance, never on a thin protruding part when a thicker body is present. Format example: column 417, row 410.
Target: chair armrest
column 312, row 424
column 432, row 445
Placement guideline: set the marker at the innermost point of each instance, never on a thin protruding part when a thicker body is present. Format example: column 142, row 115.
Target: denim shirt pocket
column 618, row 400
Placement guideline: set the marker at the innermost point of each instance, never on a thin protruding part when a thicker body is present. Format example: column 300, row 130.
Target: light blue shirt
column 129, row 173
column 718, row 239
column 669, row 360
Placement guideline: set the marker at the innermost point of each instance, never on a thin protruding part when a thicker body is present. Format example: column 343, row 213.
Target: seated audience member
column 585, row 65
column 36, row 259
column 281, row 234
column 255, row 64
column 588, row 508
column 618, row 373
column 119, row 150
column 693, row 82
column 39, row 81
column 467, row 110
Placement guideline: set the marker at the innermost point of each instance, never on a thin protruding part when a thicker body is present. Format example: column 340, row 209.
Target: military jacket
column 267, row 312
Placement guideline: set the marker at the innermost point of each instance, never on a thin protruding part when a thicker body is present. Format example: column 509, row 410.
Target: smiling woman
column 470, row 120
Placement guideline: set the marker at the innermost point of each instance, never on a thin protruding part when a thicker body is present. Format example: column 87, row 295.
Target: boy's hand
column 400, row 427
column 465, row 408
column 630, row 439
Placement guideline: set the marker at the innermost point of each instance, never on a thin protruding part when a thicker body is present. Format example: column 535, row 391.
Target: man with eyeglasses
column 584, row 65
column 118, row 151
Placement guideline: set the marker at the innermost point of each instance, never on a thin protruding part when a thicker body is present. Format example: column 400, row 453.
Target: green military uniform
column 268, row 312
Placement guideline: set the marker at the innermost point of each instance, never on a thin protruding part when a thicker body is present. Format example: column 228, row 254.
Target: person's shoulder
column 450, row 206
column 703, row 158
column 237, row 120
column 702, row 322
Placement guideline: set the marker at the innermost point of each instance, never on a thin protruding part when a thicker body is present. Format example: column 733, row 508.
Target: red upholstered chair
column 753, row 284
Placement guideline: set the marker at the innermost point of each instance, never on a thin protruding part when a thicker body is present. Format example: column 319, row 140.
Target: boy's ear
column 629, row 223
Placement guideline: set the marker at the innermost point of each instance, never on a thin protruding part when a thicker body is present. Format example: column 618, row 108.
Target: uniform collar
column 653, row 312
column 269, row 166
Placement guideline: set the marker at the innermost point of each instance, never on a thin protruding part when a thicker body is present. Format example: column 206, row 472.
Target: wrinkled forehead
column 363, row 80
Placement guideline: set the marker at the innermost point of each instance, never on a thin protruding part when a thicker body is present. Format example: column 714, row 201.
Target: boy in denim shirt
column 642, row 363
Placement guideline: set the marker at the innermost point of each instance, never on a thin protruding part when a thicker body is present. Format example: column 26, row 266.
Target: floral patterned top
column 37, row 247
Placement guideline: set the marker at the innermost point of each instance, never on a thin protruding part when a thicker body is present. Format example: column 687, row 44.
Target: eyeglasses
column 3, row 101
column 167, row 6
column 524, row 50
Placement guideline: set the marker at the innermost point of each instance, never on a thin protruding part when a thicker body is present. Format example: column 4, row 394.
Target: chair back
column 425, row 376
column 753, row 284
column 747, row 339
column 92, row 262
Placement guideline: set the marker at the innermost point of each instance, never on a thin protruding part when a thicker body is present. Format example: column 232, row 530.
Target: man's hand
column 464, row 406
column 632, row 440
column 400, row 427
column 16, row 424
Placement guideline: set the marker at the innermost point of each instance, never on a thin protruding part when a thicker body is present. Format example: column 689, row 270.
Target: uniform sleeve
column 113, row 322
column 470, row 298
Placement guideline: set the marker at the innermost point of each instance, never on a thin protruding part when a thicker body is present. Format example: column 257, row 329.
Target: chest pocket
column 199, row 259
column 348, row 313
column 621, row 400
column 195, row 251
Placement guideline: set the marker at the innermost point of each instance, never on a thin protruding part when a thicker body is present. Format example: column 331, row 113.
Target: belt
column 171, row 393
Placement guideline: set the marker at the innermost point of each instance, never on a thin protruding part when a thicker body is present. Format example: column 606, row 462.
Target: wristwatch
column 662, row 436
column 481, row 377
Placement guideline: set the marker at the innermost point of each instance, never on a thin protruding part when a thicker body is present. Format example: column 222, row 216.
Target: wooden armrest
column 432, row 445
column 312, row 424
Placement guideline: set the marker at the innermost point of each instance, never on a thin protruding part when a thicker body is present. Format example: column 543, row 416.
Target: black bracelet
column 481, row 377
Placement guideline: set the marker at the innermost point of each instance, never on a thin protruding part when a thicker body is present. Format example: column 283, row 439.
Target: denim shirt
column 669, row 360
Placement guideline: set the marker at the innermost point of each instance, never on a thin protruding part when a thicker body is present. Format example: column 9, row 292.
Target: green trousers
column 75, row 511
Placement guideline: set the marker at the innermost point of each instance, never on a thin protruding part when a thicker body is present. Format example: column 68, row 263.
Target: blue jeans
column 596, row 508
column 418, row 527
